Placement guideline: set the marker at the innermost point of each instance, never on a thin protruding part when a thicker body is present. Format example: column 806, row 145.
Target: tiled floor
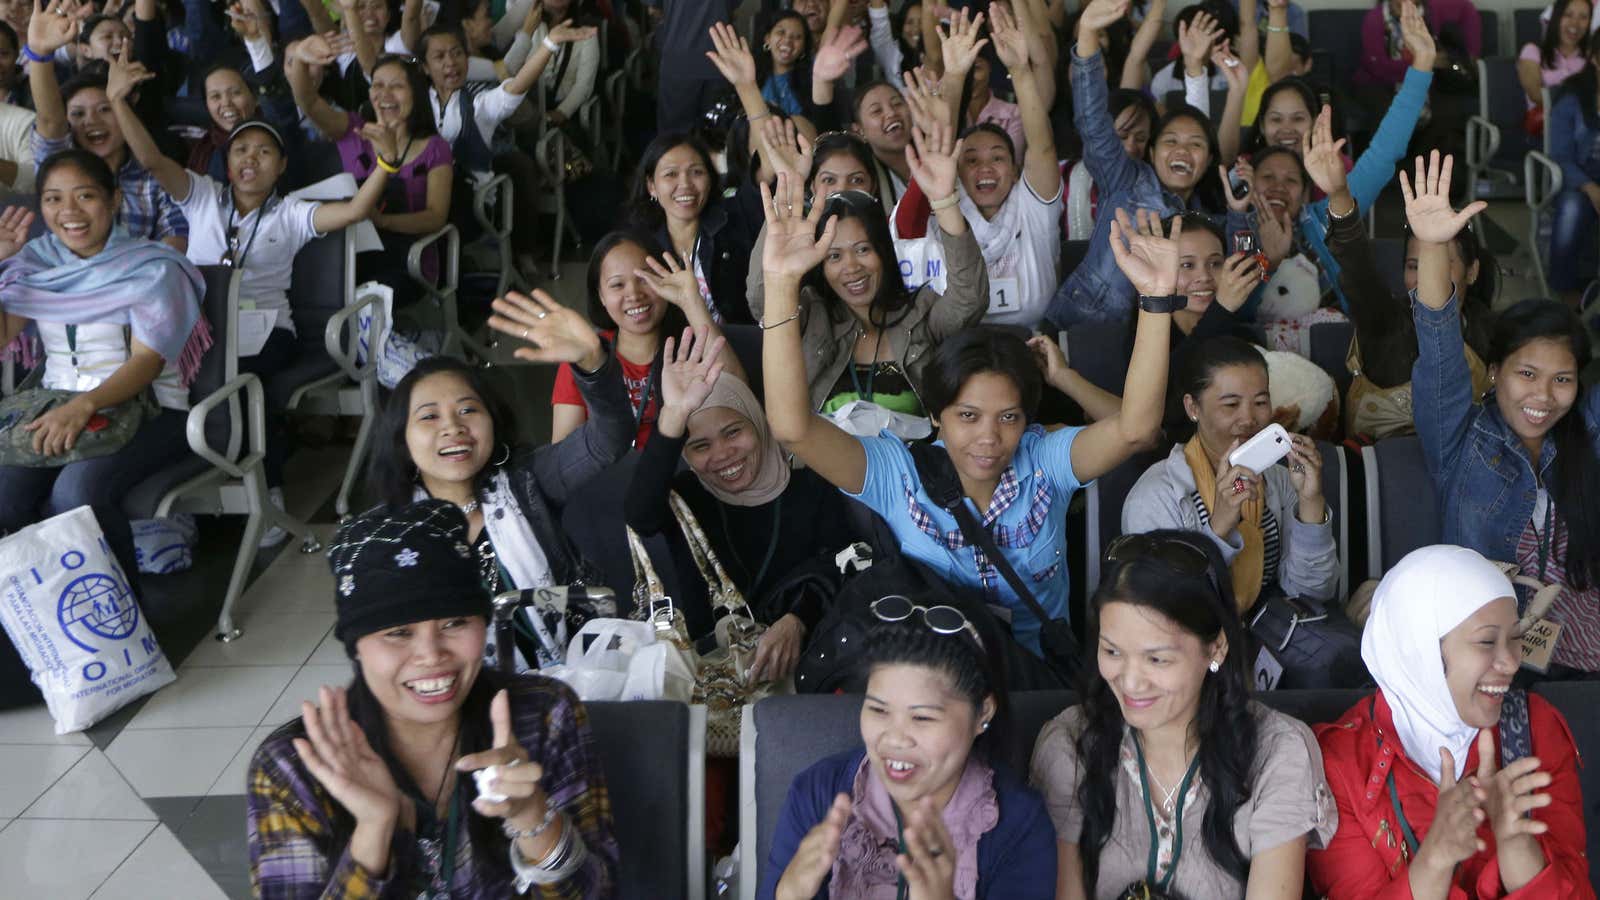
column 150, row 803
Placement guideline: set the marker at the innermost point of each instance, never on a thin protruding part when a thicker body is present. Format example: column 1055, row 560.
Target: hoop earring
column 505, row 456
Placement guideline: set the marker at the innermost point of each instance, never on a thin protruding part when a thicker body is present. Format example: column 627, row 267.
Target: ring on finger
column 525, row 333
column 541, row 314
column 935, row 852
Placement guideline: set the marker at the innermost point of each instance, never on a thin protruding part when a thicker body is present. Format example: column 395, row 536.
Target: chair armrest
column 589, row 116
column 491, row 203
column 452, row 259
column 1539, row 187
column 550, row 155
column 1483, row 142
column 255, row 408
column 335, row 330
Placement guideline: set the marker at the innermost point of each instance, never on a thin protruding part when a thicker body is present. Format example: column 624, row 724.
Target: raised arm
column 1248, row 44
column 673, row 281
column 1150, row 261
column 1280, row 50
column 1097, row 402
column 1375, row 169
column 528, row 75
column 331, row 216
column 410, row 25
column 959, row 49
column 689, row 369
column 1238, row 76
column 880, row 35
column 298, row 58
column 837, row 10
column 730, row 53
column 365, row 45
column 14, row 224
column 122, row 78
column 1039, row 165
column 791, row 252
column 1434, row 224
column 832, row 61
column 1136, row 69
column 321, row 22
column 50, row 29
column 1110, row 166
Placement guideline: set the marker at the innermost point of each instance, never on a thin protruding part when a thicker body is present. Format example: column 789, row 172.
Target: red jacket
column 1366, row 860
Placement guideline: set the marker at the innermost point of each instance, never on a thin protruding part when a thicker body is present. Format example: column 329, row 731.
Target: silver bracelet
column 550, row 813
column 766, row 327
column 550, row 45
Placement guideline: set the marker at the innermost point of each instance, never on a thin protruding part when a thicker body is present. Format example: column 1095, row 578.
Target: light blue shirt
column 1043, row 460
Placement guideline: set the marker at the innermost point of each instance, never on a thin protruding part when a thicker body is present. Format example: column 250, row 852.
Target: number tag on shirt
column 1003, row 296
column 1539, row 645
column 1267, row 671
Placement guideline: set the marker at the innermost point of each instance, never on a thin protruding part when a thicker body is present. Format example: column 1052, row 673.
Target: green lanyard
column 1177, row 819
column 901, row 891
column 447, row 862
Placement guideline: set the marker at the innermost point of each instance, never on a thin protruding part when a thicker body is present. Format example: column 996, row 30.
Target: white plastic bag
column 599, row 655
column 659, row 671
column 166, row 545
column 67, row 607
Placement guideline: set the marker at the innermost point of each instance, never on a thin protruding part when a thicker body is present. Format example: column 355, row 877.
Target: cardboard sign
column 1539, row 644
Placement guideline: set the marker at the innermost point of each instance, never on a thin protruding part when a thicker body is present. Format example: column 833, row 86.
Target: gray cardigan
column 827, row 342
column 1309, row 557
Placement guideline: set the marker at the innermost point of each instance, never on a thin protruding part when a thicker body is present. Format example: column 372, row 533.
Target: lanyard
column 644, row 401
column 1400, row 816
column 901, row 890
column 772, row 543
column 872, row 369
column 1151, row 864
column 234, row 258
column 1544, row 534
column 447, row 862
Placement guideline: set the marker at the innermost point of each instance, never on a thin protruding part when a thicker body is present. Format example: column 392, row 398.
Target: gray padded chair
column 1526, row 27
column 1402, row 504
column 218, row 475
column 1099, row 352
column 657, row 792
column 1330, row 344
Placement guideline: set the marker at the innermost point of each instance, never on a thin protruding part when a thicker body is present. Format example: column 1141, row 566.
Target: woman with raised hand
column 110, row 318
column 1449, row 782
column 1178, row 175
column 1379, row 402
column 866, row 335
column 1517, row 474
column 367, row 794
column 981, row 387
column 1169, row 779
column 925, row 808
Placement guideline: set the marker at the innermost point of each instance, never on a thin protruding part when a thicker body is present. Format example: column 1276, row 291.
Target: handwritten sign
column 1539, row 644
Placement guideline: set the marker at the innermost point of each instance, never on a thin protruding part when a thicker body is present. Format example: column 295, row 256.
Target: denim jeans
column 29, row 495
column 1572, row 241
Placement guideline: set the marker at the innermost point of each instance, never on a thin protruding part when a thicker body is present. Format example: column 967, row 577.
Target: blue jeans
column 1572, row 241
column 29, row 495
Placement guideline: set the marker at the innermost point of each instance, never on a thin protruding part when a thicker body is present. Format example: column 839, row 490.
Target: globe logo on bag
column 101, row 604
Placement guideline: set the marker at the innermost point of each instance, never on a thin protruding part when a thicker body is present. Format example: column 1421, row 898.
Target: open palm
column 14, row 225
column 834, row 57
column 732, row 55
column 1428, row 201
column 793, row 247
column 931, row 156
column 557, row 333
column 690, row 367
column 1148, row 259
column 1321, row 154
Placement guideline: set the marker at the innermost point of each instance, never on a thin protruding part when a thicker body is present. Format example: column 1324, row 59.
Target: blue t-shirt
column 1030, row 530
column 779, row 92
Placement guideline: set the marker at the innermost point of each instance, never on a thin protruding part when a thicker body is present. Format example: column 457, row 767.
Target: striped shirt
column 1577, row 611
column 1271, row 536
column 147, row 210
column 297, row 850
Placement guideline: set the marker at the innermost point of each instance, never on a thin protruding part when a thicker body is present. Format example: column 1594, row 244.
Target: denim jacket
column 1480, row 467
column 1572, row 142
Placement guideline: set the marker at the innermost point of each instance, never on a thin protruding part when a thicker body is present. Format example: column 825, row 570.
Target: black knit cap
column 399, row 566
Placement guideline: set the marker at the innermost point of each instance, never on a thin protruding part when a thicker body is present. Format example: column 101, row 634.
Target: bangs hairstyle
column 1198, row 367
column 800, row 73
column 90, row 76
column 86, row 33
column 437, row 30
column 1576, row 481
column 1552, row 34
column 644, row 212
column 672, row 324
column 836, row 143
column 1295, row 85
column 1122, row 98
column 393, row 472
column 1208, row 190
column 1266, row 153
column 973, row 672
column 861, row 98
column 419, row 124
column 973, row 351
column 997, row 131
column 1204, row 607
column 893, row 300
column 93, row 166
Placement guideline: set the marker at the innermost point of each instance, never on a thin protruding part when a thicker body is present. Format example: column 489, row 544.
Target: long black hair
column 645, row 212
column 1223, row 722
column 974, row 351
column 836, row 143
column 1576, row 480
column 490, row 847
column 973, row 670
column 800, row 74
column 1477, row 298
column 1208, row 189
column 1551, row 42
column 1295, row 85
column 1122, row 98
column 84, row 161
column 672, row 323
column 393, row 473
column 893, row 300
column 419, row 124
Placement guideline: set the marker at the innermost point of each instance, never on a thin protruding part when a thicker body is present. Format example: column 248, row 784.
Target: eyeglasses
column 939, row 619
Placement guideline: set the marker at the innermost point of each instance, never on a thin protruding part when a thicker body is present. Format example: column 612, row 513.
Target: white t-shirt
column 394, row 43
column 489, row 108
column 101, row 349
column 1022, row 250
column 268, row 239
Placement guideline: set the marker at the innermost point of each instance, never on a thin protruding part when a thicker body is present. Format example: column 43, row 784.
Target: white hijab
column 1420, row 600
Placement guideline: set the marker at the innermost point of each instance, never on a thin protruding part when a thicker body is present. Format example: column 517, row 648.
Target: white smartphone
column 1262, row 451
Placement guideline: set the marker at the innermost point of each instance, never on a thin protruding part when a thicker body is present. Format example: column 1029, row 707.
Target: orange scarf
column 1249, row 565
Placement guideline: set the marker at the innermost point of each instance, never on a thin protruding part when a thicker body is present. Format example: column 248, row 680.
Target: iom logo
column 98, row 603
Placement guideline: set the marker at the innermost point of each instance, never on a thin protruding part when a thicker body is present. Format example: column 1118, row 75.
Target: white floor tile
column 28, row 770
column 175, row 762
column 329, row 653
column 33, row 725
column 94, row 789
column 232, row 779
column 160, row 869
column 215, row 698
column 65, row 859
column 270, row 639
column 304, row 687
column 291, row 589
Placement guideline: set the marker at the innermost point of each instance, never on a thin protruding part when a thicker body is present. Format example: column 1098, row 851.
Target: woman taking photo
column 445, row 434
column 981, row 388
column 924, row 807
column 367, row 793
column 1517, row 474
column 113, row 319
column 1470, row 785
column 1193, row 789
column 1274, row 529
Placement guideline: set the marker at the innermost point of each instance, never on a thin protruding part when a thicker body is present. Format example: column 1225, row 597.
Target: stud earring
column 984, row 726
column 1216, row 666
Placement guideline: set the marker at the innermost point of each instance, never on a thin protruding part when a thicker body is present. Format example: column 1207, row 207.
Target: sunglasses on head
column 1180, row 556
column 938, row 619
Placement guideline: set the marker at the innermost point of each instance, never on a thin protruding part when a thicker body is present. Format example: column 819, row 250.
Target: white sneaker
column 274, row 535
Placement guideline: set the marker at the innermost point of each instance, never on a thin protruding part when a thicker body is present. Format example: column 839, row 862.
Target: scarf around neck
column 516, row 547
column 145, row 285
column 1423, row 598
column 731, row 393
column 1249, row 566
column 865, row 868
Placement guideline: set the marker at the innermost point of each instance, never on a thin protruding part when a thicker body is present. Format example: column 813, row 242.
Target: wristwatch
column 1167, row 304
